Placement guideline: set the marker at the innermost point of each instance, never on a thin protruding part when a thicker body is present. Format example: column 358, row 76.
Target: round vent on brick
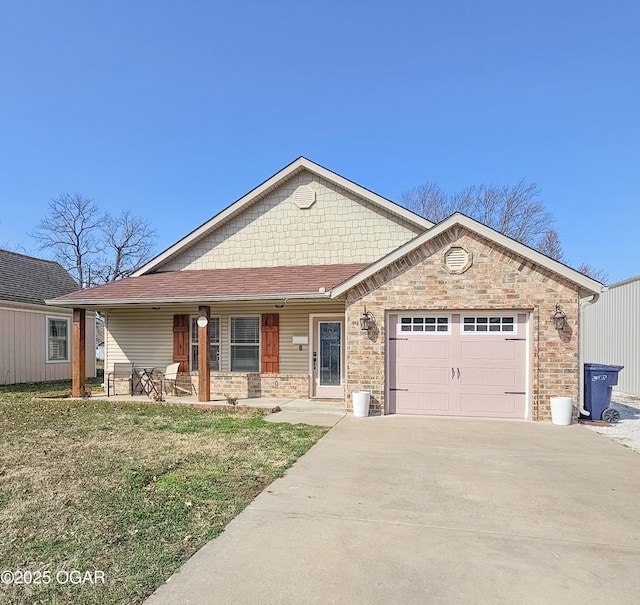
column 304, row 197
column 457, row 259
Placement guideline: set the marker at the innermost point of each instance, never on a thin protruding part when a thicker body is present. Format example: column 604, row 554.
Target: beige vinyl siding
column 145, row 336
column 612, row 332
column 23, row 345
column 140, row 336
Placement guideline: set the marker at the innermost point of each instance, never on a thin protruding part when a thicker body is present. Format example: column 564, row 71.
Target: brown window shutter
column 270, row 343
column 181, row 341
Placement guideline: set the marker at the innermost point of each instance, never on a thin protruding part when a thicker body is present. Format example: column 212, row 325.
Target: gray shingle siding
column 26, row 279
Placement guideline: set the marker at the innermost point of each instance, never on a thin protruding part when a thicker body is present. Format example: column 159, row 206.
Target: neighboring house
column 35, row 339
column 612, row 332
column 99, row 339
column 460, row 316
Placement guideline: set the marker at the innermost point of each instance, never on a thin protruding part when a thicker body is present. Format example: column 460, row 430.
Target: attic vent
column 304, row 197
column 457, row 259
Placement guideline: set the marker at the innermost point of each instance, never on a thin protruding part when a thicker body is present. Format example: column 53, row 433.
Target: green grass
column 132, row 490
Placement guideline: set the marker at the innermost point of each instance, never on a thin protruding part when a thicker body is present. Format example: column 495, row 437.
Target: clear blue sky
column 176, row 109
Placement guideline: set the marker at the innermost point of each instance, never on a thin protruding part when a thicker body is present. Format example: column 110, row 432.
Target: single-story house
column 99, row 339
column 313, row 286
column 35, row 339
column 612, row 332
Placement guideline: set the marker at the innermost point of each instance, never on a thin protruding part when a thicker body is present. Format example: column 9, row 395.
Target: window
column 57, row 339
column 425, row 324
column 245, row 344
column 482, row 324
column 214, row 343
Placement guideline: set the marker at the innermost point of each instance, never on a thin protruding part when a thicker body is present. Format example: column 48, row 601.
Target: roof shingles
column 217, row 283
column 30, row 280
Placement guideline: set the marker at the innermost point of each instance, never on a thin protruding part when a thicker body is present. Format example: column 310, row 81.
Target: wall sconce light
column 559, row 318
column 366, row 319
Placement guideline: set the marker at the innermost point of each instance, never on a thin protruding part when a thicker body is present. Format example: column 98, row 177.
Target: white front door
column 327, row 361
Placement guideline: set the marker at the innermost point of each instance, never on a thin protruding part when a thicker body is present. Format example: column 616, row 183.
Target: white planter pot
column 361, row 400
column 561, row 410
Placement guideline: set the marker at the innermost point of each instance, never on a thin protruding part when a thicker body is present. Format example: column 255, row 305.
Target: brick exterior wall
column 338, row 228
column 497, row 279
column 249, row 385
column 280, row 385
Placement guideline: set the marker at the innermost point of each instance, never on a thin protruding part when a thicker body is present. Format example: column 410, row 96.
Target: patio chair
column 170, row 377
column 121, row 372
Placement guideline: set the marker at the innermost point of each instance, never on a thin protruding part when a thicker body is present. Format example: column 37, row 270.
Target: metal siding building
column 612, row 332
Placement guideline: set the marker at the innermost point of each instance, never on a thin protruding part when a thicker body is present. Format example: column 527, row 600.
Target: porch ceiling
column 308, row 281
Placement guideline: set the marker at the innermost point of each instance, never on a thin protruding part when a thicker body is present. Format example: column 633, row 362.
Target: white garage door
column 469, row 363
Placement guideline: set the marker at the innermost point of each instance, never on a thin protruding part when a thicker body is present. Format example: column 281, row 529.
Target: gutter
column 583, row 303
column 109, row 302
column 30, row 307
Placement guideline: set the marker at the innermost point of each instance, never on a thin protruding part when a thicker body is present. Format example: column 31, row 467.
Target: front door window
column 330, row 353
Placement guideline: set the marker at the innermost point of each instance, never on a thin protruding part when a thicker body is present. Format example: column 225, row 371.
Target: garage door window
column 489, row 324
column 420, row 323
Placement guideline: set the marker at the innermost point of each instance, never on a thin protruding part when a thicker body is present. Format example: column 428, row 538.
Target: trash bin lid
column 601, row 367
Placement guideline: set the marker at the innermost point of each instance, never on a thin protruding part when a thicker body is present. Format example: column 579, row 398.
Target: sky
column 173, row 110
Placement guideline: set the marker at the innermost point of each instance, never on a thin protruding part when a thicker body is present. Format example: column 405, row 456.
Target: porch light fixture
column 559, row 318
column 366, row 319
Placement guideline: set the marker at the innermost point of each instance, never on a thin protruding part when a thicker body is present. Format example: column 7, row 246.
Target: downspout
column 583, row 303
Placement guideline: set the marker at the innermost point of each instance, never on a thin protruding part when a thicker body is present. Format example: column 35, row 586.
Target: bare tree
column 514, row 210
column 128, row 242
column 93, row 246
column 11, row 247
column 430, row 201
column 593, row 273
column 70, row 232
column 550, row 245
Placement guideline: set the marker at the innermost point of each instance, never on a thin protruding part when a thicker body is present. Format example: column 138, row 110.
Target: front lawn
column 127, row 492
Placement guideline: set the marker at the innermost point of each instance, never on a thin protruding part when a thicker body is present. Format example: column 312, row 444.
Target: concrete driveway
column 431, row 510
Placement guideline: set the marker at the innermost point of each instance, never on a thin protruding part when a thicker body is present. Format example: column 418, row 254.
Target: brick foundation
column 252, row 385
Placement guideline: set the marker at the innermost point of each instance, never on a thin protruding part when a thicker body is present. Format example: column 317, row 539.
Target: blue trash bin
column 599, row 379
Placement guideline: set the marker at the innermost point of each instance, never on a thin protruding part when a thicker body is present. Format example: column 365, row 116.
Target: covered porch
column 272, row 332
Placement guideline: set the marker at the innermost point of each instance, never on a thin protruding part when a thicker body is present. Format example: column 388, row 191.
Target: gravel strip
column 627, row 431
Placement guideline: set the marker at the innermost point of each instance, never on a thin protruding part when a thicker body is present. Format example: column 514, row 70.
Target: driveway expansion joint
column 292, row 514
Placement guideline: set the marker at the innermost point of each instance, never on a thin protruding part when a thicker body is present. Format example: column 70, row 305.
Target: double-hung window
column 245, row 344
column 214, row 343
column 57, row 339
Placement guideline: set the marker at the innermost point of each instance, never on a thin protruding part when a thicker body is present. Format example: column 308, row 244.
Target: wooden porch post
column 78, row 353
column 204, row 372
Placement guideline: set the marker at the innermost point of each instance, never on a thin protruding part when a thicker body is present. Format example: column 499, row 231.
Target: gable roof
column 311, row 281
column 269, row 185
column 314, row 281
column 586, row 283
column 30, row 280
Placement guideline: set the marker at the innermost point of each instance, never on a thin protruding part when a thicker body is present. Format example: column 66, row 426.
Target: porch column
column 78, row 353
column 204, row 373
